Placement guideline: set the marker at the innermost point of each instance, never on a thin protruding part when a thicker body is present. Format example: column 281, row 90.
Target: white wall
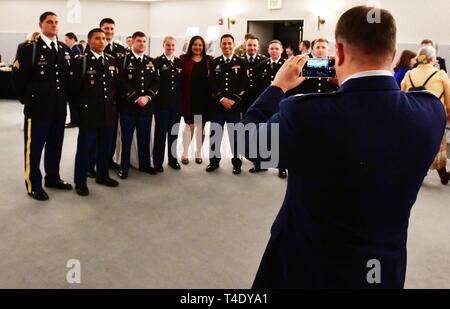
column 416, row 19
column 23, row 15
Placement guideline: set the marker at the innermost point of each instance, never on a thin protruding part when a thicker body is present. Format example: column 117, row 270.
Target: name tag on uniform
column 130, row 76
column 92, row 82
column 112, row 68
column 165, row 67
column 236, row 67
column 180, row 70
column 42, row 63
column 91, row 72
column 217, row 69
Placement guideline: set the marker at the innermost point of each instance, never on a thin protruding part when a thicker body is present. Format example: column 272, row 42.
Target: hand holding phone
column 319, row 68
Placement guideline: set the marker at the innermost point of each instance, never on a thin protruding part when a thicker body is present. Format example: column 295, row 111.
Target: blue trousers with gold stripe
column 90, row 140
column 40, row 134
column 142, row 124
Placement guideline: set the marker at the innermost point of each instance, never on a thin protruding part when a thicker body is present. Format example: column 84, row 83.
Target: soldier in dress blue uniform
column 94, row 80
column 169, row 105
column 108, row 26
column 252, row 59
column 266, row 72
column 41, row 72
column 139, row 84
column 228, row 78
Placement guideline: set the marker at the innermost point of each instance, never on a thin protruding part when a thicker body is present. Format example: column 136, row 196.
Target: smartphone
column 319, row 68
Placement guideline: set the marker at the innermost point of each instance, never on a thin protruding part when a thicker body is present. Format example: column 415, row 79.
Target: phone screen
column 317, row 68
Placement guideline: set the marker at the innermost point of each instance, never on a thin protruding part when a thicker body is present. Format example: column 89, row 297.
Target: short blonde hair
column 168, row 38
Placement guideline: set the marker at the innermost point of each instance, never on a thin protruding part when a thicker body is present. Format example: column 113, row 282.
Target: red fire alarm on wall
column 220, row 21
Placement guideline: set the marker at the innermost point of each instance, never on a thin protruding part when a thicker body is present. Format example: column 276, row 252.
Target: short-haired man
column 108, row 26
column 304, row 47
column 252, row 59
column 344, row 221
column 138, row 87
column 41, row 79
column 266, row 72
column 228, row 79
column 94, row 80
column 71, row 40
column 240, row 50
column 289, row 52
column 129, row 44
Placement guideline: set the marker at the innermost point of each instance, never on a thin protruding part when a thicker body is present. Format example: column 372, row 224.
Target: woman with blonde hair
column 437, row 82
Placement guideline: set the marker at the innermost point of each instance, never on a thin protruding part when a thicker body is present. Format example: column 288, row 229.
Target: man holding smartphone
column 316, row 84
column 350, row 188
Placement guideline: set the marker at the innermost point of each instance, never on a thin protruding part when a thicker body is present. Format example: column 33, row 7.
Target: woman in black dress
column 196, row 96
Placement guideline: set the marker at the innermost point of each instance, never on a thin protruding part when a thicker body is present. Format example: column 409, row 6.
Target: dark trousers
column 142, row 124
column 73, row 113
column 93, row 159
column 89, row 139
column 220, row 118
column 165, row 120
column 40, row 134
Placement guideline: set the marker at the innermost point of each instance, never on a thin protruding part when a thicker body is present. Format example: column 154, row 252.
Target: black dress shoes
column 211, row 168
column 39, row 195
column 257, row 169
column 108, row 182
column 60, row 185
column 282, row 174
column 82, row 191
column 123, row 174
column 92, row 173
column 113, row 165
column 176, row 166
column 236, row 170
column 199, row 161
column 149, row 170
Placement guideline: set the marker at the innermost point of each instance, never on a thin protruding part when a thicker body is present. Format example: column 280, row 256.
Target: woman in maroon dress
column 196, row 96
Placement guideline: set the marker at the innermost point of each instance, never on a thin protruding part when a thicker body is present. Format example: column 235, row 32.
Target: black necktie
column 227, row 61
column 53, row 46
column 251, row 60
column 100, row 59
column 110, row 48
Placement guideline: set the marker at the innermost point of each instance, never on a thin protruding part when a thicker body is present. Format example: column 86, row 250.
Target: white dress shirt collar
column 368, row 74
column 48, row 41
column 97, row 55
column 274, row 61
column 248, row 57
column 171, row 59
column 225, row 58
column 138, row 56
